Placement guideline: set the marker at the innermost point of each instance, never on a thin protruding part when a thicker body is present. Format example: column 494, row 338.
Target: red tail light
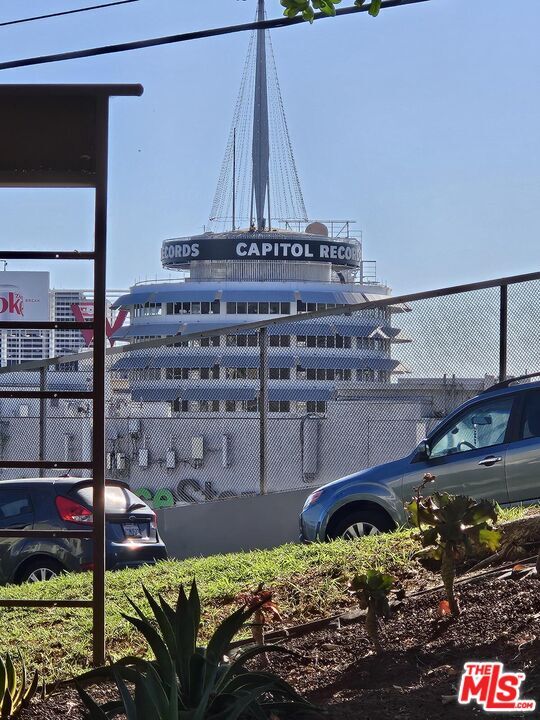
column 72, row 511
column 153, row 521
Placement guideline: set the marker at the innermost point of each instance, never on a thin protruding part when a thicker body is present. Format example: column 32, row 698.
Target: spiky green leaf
column 95, row 712
column 158, row 646
column 167, row 630
column 130, row 708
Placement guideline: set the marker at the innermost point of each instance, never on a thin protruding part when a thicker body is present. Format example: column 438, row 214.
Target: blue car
column 488, row 448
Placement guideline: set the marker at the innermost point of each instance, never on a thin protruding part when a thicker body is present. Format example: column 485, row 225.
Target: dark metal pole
column 268, row 203
column 234, row 180
column 263, row 409
column 98, row 436
column 42, row 416
column 503, row 332
column 260, row 152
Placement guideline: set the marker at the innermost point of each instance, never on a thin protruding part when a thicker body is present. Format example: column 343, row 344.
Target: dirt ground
column 415, row 676
column 420, row 666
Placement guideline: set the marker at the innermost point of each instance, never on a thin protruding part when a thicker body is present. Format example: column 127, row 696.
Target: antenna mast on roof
column 234, row 181
column 258, row 177
column 260, row 153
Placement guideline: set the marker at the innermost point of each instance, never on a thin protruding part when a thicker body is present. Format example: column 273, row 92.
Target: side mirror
column 423, row 451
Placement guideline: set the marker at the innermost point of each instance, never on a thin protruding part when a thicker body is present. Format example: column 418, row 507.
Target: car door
column 523, row 455
column 16, row 513
column 467, row 453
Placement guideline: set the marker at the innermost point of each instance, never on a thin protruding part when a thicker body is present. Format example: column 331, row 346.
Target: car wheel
column 39, row 570
column 361, row 523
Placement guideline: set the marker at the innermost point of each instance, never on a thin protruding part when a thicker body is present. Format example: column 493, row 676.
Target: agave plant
column 451, row 527
column 371, row 590
column 188, row 682
column 14, row 693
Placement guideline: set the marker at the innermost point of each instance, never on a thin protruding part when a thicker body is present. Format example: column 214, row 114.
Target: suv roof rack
column 508, row 382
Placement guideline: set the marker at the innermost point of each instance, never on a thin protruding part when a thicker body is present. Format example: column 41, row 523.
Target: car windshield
column 117, row 499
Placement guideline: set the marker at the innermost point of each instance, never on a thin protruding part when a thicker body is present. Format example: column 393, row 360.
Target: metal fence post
column 263, row 409
column 42, row 416
column 503, row 332
column 98, row 385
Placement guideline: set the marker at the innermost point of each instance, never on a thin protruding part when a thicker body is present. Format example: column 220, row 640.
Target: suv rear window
column 117, row 499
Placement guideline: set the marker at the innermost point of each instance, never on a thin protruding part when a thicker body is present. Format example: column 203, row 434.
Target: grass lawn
column 309, row 581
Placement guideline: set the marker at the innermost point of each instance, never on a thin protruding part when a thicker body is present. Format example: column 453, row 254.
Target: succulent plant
column 451, row 527
column 14, row 693
column 371, row 590
column 265, row 607
column 189, row 682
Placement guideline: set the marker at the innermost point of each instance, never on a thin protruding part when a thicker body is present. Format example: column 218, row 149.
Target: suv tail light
column 72, row 511
column 153, row 521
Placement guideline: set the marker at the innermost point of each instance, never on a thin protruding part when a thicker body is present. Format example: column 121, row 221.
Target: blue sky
column 422, row 125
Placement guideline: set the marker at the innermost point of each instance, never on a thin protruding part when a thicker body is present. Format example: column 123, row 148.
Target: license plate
column 132, row 530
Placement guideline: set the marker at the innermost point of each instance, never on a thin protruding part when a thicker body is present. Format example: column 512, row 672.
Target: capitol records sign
column 24, row 296
column 274, row 246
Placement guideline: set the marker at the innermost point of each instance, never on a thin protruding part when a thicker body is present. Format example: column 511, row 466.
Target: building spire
column 258, row 168
column 261, row 139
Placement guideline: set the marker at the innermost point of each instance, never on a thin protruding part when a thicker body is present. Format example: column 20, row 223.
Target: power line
column 66, row 12
column 198, row 34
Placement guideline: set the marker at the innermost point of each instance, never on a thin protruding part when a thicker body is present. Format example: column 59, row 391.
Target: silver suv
column 488, row 448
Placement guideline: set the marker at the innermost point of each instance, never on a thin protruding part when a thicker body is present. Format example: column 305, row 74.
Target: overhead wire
column 61, row 13
column 195, row 35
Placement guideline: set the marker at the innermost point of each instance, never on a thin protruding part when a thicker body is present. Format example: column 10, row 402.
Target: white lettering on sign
column 179, row 252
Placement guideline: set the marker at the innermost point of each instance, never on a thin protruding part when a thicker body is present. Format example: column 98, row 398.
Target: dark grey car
column 132, row 537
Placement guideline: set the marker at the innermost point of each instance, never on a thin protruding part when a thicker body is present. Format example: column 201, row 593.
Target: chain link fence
column 271, row 406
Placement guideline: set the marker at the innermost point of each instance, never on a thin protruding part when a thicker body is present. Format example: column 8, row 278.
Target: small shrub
column 372, row 590
column 261, row 600
column 187, row 681
column 451, row 527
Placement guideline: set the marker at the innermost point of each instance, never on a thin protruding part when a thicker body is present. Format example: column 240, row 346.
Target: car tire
column 40, row 569
column 361, row 523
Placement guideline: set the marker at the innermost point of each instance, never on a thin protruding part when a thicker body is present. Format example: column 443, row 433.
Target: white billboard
column 24, row 295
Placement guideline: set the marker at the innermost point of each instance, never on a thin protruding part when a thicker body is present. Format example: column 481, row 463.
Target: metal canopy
column 57, row 136
column 50, row 134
